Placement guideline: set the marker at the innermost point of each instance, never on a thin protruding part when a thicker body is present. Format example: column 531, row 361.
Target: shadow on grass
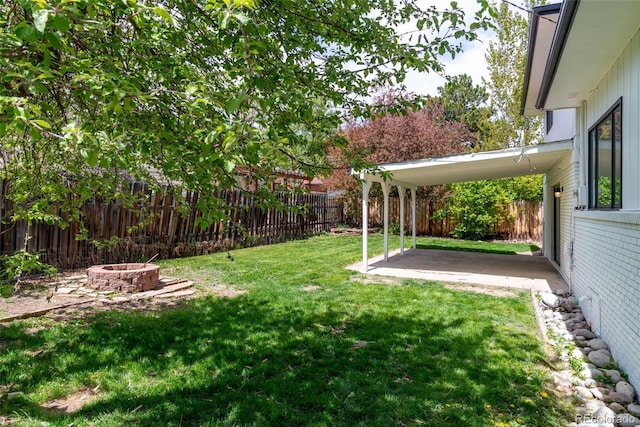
column 243, row 361
column 481, row 249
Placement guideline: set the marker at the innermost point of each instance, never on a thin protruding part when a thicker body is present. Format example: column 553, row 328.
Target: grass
column 345, row 353
column 474, row 246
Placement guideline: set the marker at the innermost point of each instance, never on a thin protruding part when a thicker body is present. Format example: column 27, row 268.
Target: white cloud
column 471, row 61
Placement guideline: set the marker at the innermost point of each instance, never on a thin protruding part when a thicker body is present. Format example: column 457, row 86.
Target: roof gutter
column 565, row 21
column 538, row 11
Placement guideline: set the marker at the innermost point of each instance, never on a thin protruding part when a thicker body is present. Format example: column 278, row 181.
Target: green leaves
column 164, row 15
column 61, row 23
column 478, row 207
column 183, row 92
column 506, row 59
column 90, row 156
column 40, row 18
column 41, row 124
column 232, row 104
column 26, row 33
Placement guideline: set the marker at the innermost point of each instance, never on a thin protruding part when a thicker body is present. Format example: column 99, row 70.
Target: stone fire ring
column 126, row 278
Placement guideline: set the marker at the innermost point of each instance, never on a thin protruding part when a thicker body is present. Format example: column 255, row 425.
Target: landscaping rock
column 578, row 325
column 593, row 405
column 578, row 354
column 562, row 379
column 573, row 301
column 584, row 392
column 634, row 409
column 617, row 408
column 590, row 383
column 594, row 423
column 592, row 372
column 598, row 344
column 621, row 398
column 625, row 388
column 603, row 392
column 586, row 350
column 600, row 358
column 605, row 415
column 599, row 393
column 627, row 420
column 584, row 333
column 613, row 375
column 550, row 299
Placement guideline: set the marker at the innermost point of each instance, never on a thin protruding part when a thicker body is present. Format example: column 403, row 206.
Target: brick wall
column 606, row 257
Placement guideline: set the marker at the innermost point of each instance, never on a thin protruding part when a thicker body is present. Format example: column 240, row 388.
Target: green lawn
column 282, row 355
column 474, row 246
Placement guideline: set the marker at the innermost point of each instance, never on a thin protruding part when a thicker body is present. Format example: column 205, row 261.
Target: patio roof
column 530, row 160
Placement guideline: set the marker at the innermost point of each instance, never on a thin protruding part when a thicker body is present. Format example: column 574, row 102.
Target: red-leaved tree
column 396, row 138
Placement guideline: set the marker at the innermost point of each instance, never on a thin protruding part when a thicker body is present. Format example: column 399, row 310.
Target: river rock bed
column 590, row 378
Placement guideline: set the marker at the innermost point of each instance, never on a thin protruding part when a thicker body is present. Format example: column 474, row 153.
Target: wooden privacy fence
column 119, row 234
column 525, row 226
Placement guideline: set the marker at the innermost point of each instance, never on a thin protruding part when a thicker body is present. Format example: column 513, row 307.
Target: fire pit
column 123, row 277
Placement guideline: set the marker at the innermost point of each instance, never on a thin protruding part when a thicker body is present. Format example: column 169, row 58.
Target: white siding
column 603, row 271
column 623, row 80
column 563, row 127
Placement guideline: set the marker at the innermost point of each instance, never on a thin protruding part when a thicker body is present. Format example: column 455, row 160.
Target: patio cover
column 530, row 160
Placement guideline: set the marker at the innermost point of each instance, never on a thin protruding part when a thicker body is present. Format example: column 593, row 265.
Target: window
column 605, row 160
column 549, row 121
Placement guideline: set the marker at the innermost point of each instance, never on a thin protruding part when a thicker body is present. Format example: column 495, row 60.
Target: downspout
column 579, row 141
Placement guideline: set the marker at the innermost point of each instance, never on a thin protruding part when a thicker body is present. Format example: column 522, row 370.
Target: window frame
column 594, row 159
column 549, row 121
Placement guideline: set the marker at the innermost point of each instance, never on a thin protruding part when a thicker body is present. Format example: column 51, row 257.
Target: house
column 282, row 179
column 583, row 74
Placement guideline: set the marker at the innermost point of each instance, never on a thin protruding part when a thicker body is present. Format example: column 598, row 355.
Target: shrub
column 478, row 207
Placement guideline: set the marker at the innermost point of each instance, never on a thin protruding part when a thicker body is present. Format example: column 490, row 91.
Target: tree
column 94, row 93
column 506, row 59
column 465, row 102
column 395, row 138
column 93, row 89
column 478, row 207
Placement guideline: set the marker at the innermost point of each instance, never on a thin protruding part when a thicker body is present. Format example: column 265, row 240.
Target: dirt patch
column 377, row 280
column 73, row 402
column 311, row 288
column 352, row 231
column 486, row 290
column 68, row 297
column 225, row 291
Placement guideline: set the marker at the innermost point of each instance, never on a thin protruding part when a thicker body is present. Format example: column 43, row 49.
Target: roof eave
column 537, row 13
column 567, row 15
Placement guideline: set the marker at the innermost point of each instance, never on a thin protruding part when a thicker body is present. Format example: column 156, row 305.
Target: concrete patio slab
column 510, row 271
